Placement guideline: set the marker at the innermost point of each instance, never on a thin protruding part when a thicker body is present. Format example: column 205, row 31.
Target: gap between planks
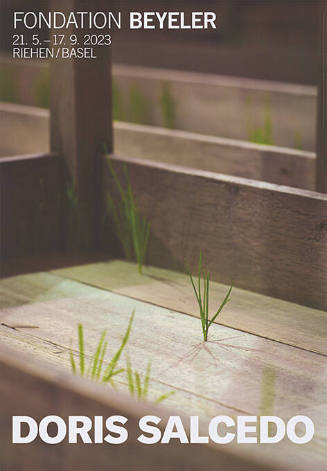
column 274, row 319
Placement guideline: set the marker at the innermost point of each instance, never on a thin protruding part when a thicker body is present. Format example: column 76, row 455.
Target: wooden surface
column 272, row 164
column 266, row 317
column 219, row 105
column 235, row 373
column 267, row 163
column 262, row 237
column 81, row 124
column 32, row 207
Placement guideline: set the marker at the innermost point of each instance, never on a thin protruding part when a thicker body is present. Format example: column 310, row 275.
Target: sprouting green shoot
column 202, row 297
column 131, row 227
column 139, row 106
column 96, row 369
column 263, row 134
column 135, row 386
column 168, row 106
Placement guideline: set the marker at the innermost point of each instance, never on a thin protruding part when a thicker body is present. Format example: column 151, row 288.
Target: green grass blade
column 99, row 370
column 225, row 301
column 138, row 384
column 81, row 349
column 72, row 361
column 112, row 365
column 97, row 355
column 164, row 396
column 147, row 380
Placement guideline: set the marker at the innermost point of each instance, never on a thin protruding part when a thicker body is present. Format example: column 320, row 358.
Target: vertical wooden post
column 321, row 167
column 81, row 121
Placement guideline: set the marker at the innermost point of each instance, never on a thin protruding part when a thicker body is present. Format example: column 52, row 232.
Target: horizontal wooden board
column 271, row 318
column 262, row 237
column 203, row 103
column 232, row 157
column 234, row 373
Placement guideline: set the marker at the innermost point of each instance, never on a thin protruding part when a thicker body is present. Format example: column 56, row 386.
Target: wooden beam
column 31, row 210
column 254, row 235
column 321, row 173
column 81, row 122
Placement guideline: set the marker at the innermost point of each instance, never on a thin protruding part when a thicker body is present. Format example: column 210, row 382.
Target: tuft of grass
column 263, row 134
column 138, row 106
column 96, row 369
column 202, row 296
column 168, row 106
column 131, row 227
column 135, row 386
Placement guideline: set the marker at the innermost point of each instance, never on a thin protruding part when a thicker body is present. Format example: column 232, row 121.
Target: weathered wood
column 227, row 375
column 243, row 159
column 258, row 236
column 24, row 130
column 32, row 206
column 81, row 123
column 270, row 318
column 322, row 104
column 209, row 104
column 232, row 157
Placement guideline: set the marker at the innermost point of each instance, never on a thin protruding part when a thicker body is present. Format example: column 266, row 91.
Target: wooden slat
column 250, row 312
column 243, row 159
column 32, row 206
column 258, row 236
column 234, row 372
column 268, row 163
column 206, row 103
column 221, row 106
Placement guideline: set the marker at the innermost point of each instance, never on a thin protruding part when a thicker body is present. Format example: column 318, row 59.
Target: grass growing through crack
column 96, row 369
column 135, row 386
column 131, row 227
column 202, row 296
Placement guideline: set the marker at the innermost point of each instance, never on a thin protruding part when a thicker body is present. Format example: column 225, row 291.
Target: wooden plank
column 81, row 124
column 321, row 174
column 220, row 106
column 271, row 318
column 64, row 395
column 204, row 103
column 24, row 130
column 233, row 371
column 262, row 237
column 32, row 206
column 232, row 157
column 239, row 158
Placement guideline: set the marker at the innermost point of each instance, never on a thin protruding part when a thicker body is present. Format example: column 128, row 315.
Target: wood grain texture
column 231, row 374
column 271, row 318
column 204, row 103
column 81, row 124
column 244, row 159
column 232, row 157
column 31, row 211
column 222, row 106
column 262, row 237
